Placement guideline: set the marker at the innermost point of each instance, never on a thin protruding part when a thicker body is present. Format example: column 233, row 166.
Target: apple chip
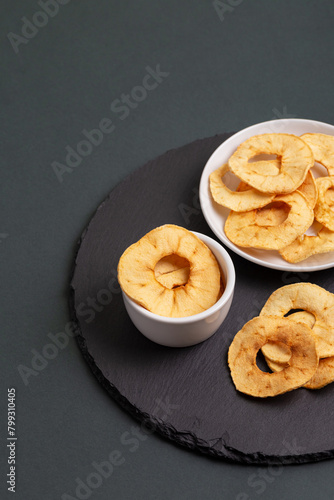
column 277, row 212
column 275, row 352
column 313, row 299
column 246, row 375
column 235, row 200
column 323, row 376
column 324, row 208
column 273, row 214
column 303, row 317
column 136, row 273
column 309, row 189
column 306, row 245
column 172, row 271
column 277, row 367
column 296, row 160
column 322, row 146
column 244, row 229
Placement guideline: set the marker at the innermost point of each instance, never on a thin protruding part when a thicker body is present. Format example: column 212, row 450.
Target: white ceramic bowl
column 216, row 215
column 191, row 330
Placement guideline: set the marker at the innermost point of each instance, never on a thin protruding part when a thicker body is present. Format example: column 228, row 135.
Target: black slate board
column 187, row 394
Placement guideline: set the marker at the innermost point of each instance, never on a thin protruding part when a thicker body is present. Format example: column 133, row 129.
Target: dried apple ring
column 309, row 189
column 279, row 353
column 322, row 146
column 172, row 271
column 273, row 214
column 311, row 298
column 276, row 352
column 323, row 376
column 246, row 375
column 296, row 160
column 136, row 273
column 237, row 201
column 324, row 208
column 275, row 366
column 276, row 213
column 303, row 317
column 305, row 246
column 243, row 229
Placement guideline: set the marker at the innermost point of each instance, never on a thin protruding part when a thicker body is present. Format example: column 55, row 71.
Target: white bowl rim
column 228, row 291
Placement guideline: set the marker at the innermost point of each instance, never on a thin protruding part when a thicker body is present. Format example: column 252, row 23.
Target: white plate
column 216, row 215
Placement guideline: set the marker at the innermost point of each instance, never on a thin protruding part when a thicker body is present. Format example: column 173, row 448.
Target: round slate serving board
column 187, row 394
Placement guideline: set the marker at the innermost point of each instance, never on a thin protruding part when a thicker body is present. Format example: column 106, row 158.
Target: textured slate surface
column 187, row 394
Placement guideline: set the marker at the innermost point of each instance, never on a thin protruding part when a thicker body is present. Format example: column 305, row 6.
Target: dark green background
column 264, row 60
